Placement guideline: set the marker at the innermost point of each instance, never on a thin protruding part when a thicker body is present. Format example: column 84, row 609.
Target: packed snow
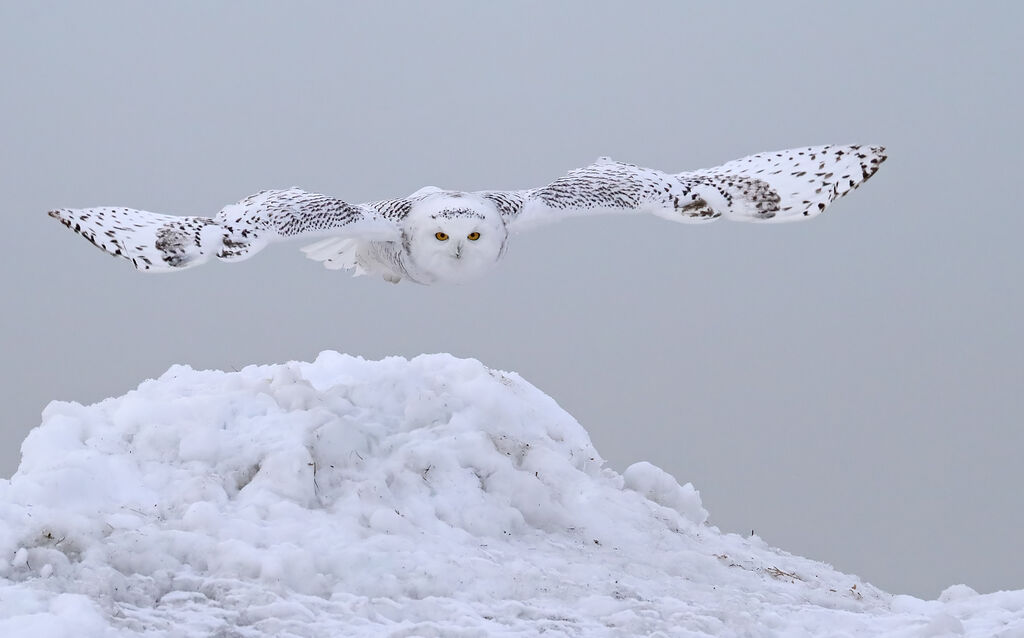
column 431, row 497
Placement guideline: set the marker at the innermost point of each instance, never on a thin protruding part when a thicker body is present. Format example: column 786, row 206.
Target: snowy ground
column 432, row 497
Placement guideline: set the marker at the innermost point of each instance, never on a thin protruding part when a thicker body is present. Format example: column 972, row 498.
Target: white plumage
column 436, row 235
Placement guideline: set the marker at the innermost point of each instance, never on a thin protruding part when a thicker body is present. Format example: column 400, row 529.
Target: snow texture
column 431, row 497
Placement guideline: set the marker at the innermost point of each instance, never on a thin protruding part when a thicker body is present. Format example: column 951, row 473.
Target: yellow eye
column 473, row 236
column 441, row 236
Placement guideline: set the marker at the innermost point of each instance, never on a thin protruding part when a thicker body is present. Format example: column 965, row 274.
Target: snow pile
column 431, row 497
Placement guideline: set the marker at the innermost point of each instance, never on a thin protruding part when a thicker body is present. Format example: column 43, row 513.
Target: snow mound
column 431, row 497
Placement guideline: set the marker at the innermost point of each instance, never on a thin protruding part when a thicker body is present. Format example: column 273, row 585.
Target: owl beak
column 458, row 251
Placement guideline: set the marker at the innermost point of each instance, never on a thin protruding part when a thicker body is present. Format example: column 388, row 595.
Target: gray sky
column 848, row 387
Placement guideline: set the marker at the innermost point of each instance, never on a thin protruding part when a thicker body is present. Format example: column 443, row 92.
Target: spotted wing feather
column 767, row 187
column 800, row 182
column 159, row 243
column 149, row 240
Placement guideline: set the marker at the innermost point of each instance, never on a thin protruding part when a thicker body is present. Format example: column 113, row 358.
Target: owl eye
column 473, row 236
column 441, row 236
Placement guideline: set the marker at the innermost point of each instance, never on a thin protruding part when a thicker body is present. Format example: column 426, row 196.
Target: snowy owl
column 436, row 235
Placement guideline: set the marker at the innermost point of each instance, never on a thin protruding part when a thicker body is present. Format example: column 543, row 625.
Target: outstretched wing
column 778, row 186
column 159, row 243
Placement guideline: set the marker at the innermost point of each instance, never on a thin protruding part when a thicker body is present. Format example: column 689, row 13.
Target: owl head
column 455, row 238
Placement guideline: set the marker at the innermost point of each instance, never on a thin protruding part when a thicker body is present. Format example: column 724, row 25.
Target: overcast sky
column 849, row 387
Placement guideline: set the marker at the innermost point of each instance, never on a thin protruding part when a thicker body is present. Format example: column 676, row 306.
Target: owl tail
column 152, row 242
column 781, row 185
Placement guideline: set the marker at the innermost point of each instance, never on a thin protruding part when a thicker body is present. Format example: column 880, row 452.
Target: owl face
column 455, row 239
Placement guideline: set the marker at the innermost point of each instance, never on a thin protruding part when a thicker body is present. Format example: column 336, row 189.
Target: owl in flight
column 437, row 235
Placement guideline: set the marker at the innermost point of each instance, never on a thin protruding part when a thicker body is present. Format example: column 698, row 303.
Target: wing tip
column 870, row 159
column 878, row 156
column 62, row 215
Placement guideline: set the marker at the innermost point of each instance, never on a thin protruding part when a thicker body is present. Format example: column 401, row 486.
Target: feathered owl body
column 436, row 235
column 445, row 236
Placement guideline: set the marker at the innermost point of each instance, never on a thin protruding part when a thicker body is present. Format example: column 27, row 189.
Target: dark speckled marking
column 766, row 186
column 175, row 239
column 152, row 241
column 452, row 213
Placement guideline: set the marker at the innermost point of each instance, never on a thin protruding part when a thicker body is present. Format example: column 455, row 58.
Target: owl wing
column 160, row 243
column 767, row 187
